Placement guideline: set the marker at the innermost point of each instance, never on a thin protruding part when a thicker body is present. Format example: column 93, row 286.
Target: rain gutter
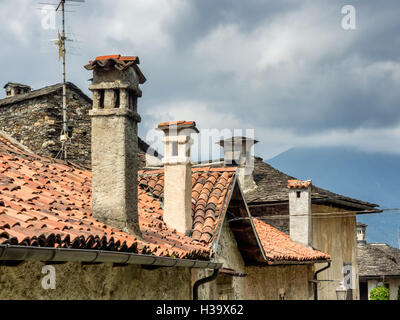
column 25, row 253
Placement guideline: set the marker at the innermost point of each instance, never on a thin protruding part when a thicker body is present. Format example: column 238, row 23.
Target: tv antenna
column 61, row 42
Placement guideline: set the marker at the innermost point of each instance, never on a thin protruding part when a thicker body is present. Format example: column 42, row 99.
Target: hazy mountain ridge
column 373, row 177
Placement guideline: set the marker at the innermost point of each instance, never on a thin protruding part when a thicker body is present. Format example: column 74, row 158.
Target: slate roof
column 42, row 92
column 272, row 188
column 15, row 84
column 377, row 260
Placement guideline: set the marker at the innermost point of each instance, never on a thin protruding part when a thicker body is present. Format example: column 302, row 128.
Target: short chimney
column 115, row 88
column 14, row 89
column 361, row 233
column 178, row 174
column 300, row 213
column 237, row 152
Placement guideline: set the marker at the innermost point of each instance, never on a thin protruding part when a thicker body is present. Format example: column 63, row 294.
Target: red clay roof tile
column 278, row 246
column 47, row 203
column 299, row 184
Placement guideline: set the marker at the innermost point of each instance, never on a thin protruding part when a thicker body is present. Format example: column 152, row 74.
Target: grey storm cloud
column 285, row 68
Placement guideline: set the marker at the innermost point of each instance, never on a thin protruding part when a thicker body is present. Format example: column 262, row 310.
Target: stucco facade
column 335, row 235
column 290, row 282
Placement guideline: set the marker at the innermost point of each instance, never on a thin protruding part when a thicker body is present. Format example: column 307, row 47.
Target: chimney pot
column 361, row 234
column 237, row 152
column 300, row 211
column 178, row 174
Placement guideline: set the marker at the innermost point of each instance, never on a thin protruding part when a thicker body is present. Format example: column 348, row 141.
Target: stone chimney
column 300, row 213
column 115, row 88
column 14, row 89
column 361, row 233
column 237, row 152
column 178, row 174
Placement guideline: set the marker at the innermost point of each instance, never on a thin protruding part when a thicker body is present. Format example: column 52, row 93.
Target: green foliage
column 379, row 293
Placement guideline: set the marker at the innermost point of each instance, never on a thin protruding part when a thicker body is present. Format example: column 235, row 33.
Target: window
column 174, row 149
column 298, row 193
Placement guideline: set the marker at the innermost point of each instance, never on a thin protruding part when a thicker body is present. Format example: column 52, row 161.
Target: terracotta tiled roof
column 278, row 246
column 117, row 61
column 177, row 123
column 48, row 204
column 292, row 184
column 210, row 190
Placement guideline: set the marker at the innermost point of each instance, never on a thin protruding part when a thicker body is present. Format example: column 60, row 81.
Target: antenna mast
column 62, row 53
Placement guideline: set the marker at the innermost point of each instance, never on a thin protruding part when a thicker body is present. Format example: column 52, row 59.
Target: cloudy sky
column 287, row 69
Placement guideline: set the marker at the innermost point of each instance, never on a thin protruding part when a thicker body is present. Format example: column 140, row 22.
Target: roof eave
column 26, row 253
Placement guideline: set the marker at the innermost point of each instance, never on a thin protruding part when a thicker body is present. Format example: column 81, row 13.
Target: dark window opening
column 101, row 103
column 70, row 130
column 174, row 149
column 298, row 194
column 363, row 290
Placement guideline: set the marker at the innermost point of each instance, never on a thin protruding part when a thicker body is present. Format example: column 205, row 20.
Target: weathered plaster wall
column 267, row 283
column 336, row 236
column 262, row 283
column 76, row 281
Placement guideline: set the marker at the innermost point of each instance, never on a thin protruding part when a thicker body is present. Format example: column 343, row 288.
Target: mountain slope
column 372, row 177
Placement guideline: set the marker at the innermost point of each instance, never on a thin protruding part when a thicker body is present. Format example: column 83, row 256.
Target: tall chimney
column 237, row 152
column 300, row 213
column 115, row 88
column 178, row 174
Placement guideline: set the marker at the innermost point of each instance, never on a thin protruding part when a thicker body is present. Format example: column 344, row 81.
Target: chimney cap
column 178, row 125
column 236, row 140
column 299, row 184
column 119, row 62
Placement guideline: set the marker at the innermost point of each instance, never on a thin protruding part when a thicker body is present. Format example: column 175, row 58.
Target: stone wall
column 81, row 282
column 37, row 124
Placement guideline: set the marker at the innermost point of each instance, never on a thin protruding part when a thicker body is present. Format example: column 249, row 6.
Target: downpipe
column 315, row 283
column 200, row 282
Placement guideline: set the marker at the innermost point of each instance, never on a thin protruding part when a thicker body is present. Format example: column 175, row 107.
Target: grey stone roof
column 41, row 92
column 272, row 187
column 378, row 260
column 18, row 85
